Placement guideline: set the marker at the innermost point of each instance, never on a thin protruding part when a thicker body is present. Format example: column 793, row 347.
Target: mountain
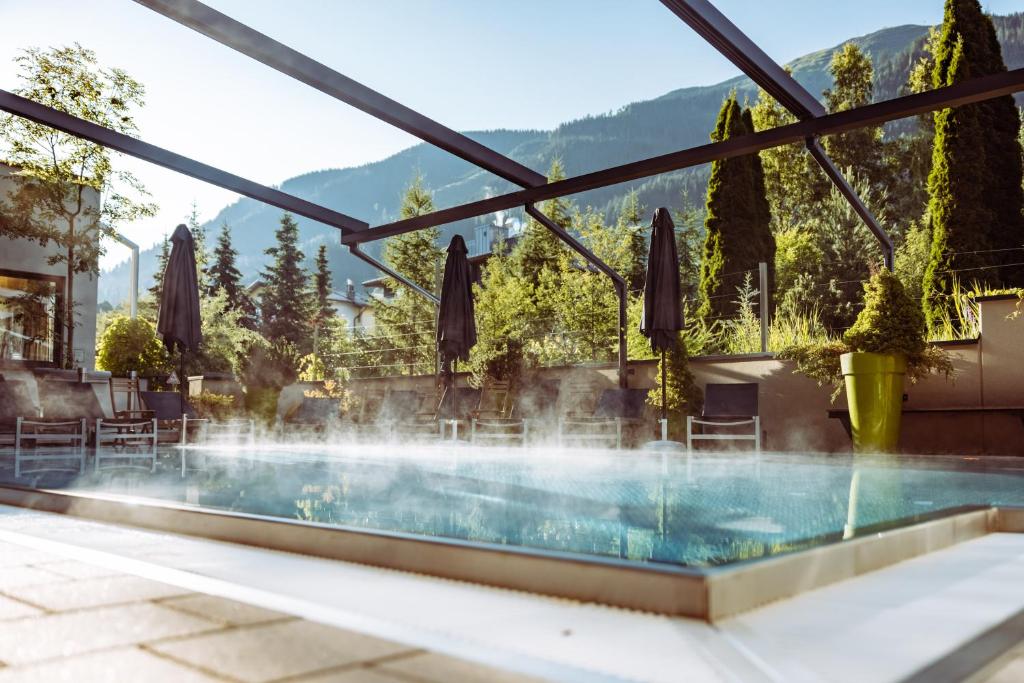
column 679, row 119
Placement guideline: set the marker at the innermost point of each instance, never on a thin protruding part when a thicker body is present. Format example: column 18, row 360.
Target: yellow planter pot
column 874, row 392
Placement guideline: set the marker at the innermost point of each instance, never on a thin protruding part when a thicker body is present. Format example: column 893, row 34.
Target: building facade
column 32, row 297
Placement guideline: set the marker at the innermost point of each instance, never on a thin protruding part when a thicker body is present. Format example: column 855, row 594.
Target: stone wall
column 794, row 409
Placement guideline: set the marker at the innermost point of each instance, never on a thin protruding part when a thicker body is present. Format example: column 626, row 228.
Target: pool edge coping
column 711, row 594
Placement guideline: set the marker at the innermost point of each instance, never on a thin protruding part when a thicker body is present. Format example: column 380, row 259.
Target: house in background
column 32, row 295
column 503, row 232
column 353, row 308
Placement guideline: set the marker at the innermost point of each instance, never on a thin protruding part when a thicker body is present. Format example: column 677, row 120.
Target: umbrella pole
column 455, row 399
column 664, row 398
column 183, row 383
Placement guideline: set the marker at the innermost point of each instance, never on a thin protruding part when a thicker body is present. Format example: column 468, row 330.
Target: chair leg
column 689, row 434
column 17, row 447
column 618, row 433
column 81, row 446
column 472, row 430
column 757, row 434
column 526, row 431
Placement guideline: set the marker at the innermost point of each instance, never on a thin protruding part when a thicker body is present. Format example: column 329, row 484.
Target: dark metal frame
column 724, row 36
column 701, row 15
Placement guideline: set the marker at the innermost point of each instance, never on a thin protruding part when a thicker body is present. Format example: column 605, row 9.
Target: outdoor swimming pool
column 641, row 507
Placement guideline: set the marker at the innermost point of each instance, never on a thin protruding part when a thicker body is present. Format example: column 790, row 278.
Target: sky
column 470, row 64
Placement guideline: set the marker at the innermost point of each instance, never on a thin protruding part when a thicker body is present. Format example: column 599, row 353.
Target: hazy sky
column 471, row 64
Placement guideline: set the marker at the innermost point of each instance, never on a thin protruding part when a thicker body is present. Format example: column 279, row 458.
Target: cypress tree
column 974, row 188
column 737, row 220
column 287, row 306
column 223, row 274
column 631, row 225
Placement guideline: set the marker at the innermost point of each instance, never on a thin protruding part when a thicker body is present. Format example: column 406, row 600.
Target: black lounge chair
column 22, row 427
column 176, row 420
column 313, row 415
column 379, row 415
column 729, row 408
column 615, row 410
column 506, row 420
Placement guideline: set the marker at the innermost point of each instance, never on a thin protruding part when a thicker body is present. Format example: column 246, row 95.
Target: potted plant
column 885, row 346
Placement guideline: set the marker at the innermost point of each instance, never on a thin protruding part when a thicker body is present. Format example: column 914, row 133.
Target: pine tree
column 974, row 189
column 202, row 255
column 861, row 149
column 407, row 322
column 631, row 223
column 223, row 274
column 539, row 248
column 322, row 286
column 161, row 266
column 287, row 305
column 737, row 221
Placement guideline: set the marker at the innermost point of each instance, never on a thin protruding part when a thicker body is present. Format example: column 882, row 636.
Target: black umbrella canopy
column 178, row 322
column 456, row 325
column 663, row 315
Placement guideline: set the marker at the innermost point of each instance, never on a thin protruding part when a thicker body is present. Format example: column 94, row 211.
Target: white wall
column 23, row 255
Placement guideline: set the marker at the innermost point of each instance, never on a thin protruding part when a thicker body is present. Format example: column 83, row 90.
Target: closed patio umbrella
column 456, row 324
column 663, row 313
column 178, row 323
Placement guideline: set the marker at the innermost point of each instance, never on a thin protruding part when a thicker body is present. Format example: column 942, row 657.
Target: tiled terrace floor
column 65, row 620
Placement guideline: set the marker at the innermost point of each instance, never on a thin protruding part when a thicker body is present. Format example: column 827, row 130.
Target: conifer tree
column 538, row 248
column 202, row 255
column 223, row 274
column 287, row 306
column 322, row 286
column 737, row 221
column 861, row 149
column 407, row 322
column 974, row 188
column 631, row 224
column 161, row 266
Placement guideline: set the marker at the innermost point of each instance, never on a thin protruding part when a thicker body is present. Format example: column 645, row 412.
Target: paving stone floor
column 65, row 620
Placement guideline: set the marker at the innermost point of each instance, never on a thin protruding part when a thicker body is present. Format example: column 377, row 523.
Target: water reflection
column 700, row 511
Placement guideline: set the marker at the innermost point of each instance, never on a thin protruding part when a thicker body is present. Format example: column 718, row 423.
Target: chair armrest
column 134, row 414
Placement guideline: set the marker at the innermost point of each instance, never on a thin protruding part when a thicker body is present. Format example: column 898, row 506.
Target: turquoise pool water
column 703, row 511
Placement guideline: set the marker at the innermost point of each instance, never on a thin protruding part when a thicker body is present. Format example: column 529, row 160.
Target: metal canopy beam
column 968, row 92
column 617, row 280
column 87, row 130
column 279, row 56
column 837, row 178
column 727, row 38
column 724, row 36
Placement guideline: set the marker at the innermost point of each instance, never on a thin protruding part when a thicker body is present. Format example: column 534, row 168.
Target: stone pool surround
column 710, row 594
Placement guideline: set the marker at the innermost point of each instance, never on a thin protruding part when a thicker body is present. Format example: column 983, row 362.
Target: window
column 30, row 323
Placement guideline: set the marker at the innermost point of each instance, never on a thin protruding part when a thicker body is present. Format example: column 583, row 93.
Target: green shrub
column 214, row 406
column 128, row 345
column 891, row 322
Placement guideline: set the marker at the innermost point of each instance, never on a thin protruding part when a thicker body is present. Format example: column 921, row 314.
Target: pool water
column 699, row 511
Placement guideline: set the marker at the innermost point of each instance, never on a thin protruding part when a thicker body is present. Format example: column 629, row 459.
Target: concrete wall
column 794, row 409
column 26, row 256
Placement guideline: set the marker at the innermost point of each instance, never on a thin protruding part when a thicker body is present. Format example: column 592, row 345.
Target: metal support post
column 762, row 271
